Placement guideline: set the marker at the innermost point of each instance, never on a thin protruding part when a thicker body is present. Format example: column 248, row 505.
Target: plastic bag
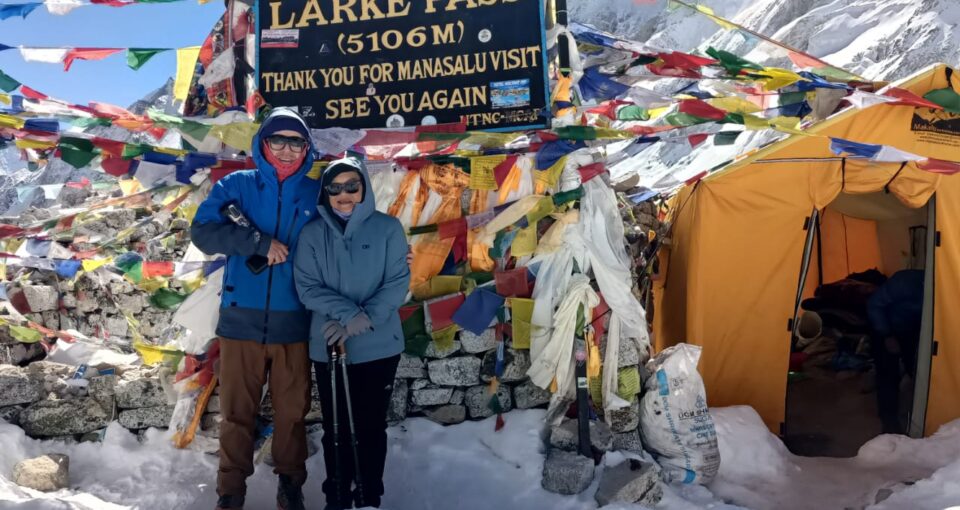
column 675, row 422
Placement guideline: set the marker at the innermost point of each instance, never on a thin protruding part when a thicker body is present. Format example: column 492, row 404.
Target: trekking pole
column 337, row 471
column 357, row 478
column 583, row 398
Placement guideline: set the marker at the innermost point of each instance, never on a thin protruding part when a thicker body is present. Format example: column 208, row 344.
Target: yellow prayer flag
column 9, row 121
column 93, row 264
column 754, row 123
column 444, row 337
column 186, row 63
column 481, row 171
column 440, row 285
column 521, row 313
column 543, row 208
column 716, row 19
column 551, row 176
column 129, row 186
column 734, row 104
column 788, row 125
column 628, row 383
column 237, row 135
column 154, row 354
column 316, row 170
column 26, row 143
column 525, row 242
column 5, row 98
column 777, row 78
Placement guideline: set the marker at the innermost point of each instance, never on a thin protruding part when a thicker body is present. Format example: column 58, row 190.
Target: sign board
column 395, row 63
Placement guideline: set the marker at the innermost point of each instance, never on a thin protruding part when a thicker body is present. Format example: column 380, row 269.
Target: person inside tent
column 263, row 326
column 352, row 274
column 895, row 311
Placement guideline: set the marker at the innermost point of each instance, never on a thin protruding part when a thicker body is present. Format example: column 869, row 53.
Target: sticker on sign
column 280, row 38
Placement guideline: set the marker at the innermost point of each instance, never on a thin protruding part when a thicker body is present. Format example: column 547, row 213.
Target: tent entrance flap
column 921, row 390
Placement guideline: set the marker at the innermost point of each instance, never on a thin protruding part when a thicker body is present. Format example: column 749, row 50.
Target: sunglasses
column 335, row 188
column 294, row 143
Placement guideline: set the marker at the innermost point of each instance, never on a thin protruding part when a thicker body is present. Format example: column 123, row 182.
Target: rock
column 566, row 436
column 210, row 422
column 420, row 384
column 72, row 197
column 92, row 437
column 19, row 387
column 458, row 371
column 515, row 366
column 41, row 298
column 447, row 414
column 475, row 344
column 631, row 482
column 87, row 302
column 628, row 441
column 46, row 473
column 626, row 419
column 566, row 473
column 397, row 411
column 103, row 388
column 410, row 367
column 629, row 355
column 140, row 393
column 11, row 414
column 477, row 400
column 18, row 353
column 529, row 395
column 213, row 405
column 69, row 301
column 457, row 396
column 146, row 417
column 431, row 396
column 116, row 326
column 433, row 352
column 59, row 417
column 133, row 303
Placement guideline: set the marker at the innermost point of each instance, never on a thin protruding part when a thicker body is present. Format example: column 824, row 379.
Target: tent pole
column 925, row 351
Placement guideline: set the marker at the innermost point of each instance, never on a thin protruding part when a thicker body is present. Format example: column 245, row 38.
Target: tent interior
column 858, row 241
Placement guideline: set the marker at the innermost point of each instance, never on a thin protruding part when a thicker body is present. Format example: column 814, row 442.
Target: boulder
column 434, row 352
column 397, row 410
column 566, row 436
column 515, row 366
column 140, row 393
column 146, row 417
column 103, row 388
column 628, row 441
column 18, row 387
column 626, row 419
column 46, row 473
column 431, row 396
column 630, row 482
column 567, row 473
column 457, row 396
column 410, row 367
column 41, row 298
column 529, row 395
column 476, row 344
column 447, row 414
column 477, row 399
column 11, row 414
column 457, row 371
column 60, row 417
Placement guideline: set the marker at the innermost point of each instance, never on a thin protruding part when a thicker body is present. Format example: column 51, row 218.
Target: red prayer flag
column 109, row 147
column 590, row 171
column 802, row 60
column 673, row 72
column 116, row 166
column 939, row 166
column 684, row 60
column 441, row 311
column 906, row 98
column 111, row 3
column 512, row 283
column 697, row 139
column 701, row 109
column 86, row 54
column 9, row 230
column 151, row 269
column 452, row 228
column 32, row 94
column 609, row 108
column 501, row 171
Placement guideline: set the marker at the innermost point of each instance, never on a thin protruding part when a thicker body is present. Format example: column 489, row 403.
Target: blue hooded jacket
column 262, row 307
column 362, row 267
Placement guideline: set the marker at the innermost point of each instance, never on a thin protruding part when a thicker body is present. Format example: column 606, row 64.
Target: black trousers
column 889, row 375
column 371, row 385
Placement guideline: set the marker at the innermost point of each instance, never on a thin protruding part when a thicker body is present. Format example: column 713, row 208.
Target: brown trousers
column 244, row 366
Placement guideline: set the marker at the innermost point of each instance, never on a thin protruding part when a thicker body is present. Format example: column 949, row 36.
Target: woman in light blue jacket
column 351, row 273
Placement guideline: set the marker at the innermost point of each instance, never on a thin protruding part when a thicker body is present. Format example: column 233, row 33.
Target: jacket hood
column 266, row 169
column 363, row 210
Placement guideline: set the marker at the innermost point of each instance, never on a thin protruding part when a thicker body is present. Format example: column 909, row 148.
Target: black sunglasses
column 335, row 188
column 278, row 142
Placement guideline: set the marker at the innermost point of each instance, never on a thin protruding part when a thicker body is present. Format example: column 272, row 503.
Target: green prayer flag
column 7, row 84
column 568, row 196
column 726, row 137
column 576, row 132
column 732, row 63
column 415, row 332
column 195, row 130
column 136, row 57
column 85, row 122
column 633, row 112
column 495, row 405
column 78, row 152
column 947, row 98
column 789, row 98
column 684, row 119
column 131, row 150
column 167, row 299
column 25, row 335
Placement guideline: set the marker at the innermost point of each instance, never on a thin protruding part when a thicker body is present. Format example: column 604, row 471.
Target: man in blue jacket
column 263, row 327
column 895, row 311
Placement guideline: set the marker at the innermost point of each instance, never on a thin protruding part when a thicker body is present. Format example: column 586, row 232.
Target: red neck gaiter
column 284, row 170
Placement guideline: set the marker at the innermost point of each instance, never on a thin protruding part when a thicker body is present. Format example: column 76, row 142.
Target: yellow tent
column 740, row 239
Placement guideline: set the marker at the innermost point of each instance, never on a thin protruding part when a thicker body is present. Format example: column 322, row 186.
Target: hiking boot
column 366, row 501
column 289, row 495
column 228, row 502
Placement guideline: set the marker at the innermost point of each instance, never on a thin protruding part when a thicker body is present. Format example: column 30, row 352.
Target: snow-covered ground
column 469, row 466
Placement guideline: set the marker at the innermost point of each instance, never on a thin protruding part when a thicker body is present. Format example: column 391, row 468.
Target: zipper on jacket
column 276, row 231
